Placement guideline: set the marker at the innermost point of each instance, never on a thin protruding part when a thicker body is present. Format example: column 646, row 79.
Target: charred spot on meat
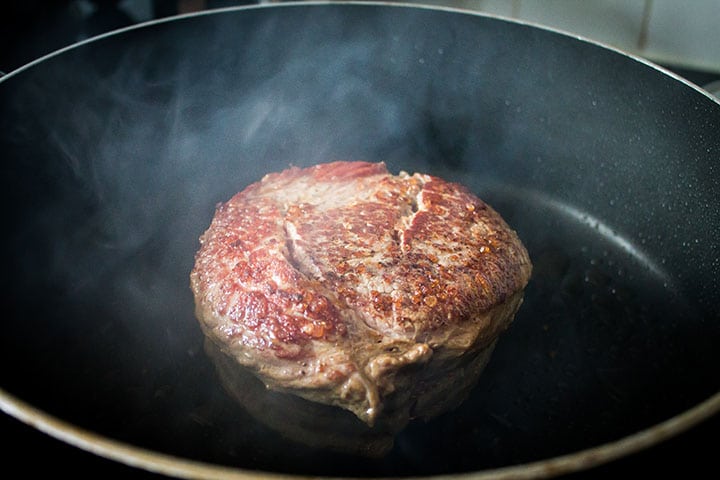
column 379, row 296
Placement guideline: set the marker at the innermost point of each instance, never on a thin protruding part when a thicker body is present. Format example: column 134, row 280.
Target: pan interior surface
column 118, row 151
column 577, row 362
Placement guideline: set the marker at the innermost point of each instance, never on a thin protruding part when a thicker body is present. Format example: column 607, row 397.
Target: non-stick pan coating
column 116, row 152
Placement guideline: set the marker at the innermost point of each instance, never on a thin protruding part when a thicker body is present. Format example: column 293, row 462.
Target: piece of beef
column 348, row 286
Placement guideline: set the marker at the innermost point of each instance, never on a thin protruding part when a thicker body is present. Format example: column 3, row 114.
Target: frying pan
column 117, row 149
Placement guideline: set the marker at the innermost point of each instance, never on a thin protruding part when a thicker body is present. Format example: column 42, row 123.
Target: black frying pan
column 116, row 151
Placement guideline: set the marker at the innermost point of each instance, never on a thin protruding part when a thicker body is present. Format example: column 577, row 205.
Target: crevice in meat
column 414, row 201
column 297, row 257
column 406, row 220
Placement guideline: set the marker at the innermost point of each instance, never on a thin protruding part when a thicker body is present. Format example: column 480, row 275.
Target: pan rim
column 180, row 467
column 367, row 3
column 185, row 468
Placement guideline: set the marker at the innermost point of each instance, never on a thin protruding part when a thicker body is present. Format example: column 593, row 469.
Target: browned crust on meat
column 329, row 280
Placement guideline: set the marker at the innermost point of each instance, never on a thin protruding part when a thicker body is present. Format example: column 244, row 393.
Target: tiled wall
column 672, row 32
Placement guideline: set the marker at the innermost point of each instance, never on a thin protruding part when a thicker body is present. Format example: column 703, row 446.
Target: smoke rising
column 144, row 132
column 120, row 149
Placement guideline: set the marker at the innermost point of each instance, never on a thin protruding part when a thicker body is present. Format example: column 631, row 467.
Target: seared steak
column 346, row 285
